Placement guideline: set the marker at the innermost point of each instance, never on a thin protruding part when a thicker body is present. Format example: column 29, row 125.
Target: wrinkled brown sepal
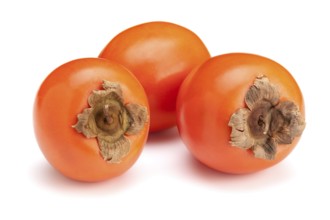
column 261, row 90
column 114, row 151
column 265, row 151
column 138, row 116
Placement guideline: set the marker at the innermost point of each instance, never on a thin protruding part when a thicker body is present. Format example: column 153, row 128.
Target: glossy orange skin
column 61, row 97
column 161, row 55
column 211, row 94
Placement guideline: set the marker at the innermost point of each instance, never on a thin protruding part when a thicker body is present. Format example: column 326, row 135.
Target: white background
column 165, row 183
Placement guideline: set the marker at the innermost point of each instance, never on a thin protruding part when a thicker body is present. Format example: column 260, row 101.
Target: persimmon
column 240, row 113
column 160, row 55
column 91, row 119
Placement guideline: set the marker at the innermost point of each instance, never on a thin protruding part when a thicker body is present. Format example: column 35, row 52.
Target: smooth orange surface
column 61, row 97
column 210, row 95
column 161, row 55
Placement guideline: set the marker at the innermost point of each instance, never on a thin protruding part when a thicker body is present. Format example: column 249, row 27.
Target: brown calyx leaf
column 291, row 114
column 84, row 125
column 114, row 151
column 240, row 135
column 139, row 116
column 265, row 151
column 261, row 90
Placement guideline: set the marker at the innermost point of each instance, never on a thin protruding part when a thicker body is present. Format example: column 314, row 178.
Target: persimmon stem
column 107, row 117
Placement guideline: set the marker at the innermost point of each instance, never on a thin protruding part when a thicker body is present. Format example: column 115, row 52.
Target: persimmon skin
column 212, row 93
column 160, row 55
column 61, row 97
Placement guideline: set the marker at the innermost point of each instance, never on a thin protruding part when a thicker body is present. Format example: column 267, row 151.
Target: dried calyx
column 110, row 120
column 266, row 122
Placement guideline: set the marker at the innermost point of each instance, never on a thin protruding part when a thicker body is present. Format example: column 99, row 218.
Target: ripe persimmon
column 160, row 55
column 91, row 119
column 240, row 113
